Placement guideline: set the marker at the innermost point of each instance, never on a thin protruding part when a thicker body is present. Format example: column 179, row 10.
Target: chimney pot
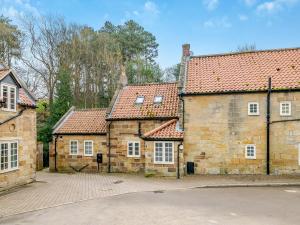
column 186, row 50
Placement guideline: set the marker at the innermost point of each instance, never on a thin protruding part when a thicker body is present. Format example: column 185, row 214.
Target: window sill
column 164, row 163
column 134, row 156
column 250, row 158
column 8, row 171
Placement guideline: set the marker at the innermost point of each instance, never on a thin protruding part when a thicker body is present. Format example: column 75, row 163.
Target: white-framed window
column 88, row 148
column 133, row 149
column 163, row 152
column 253, row 108
column 8, row 156
column 73, row 147
column 158, row 99
column 250, row 152
column 9, row 95
column 285, row 108
column 139, row 100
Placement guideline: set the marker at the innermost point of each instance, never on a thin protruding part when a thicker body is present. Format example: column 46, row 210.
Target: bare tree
column 43, row 37
column 246, row 48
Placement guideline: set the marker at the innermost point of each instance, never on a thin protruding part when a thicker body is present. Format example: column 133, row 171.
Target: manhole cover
column 118, row 182
column 158, row 192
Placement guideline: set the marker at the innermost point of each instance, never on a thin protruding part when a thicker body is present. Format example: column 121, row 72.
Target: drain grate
column 158, row 192
column 118, row 182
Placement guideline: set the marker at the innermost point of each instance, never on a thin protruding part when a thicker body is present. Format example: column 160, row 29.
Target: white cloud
column 151, row 7
column 16, row 9
column 275, row 6
column 243, row 17
column 249, row 2
column 218, row 23
column 210, row 4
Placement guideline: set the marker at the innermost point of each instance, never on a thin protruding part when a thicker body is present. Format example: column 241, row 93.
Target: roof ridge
column 246, row 52
column 90, row 109
column 151, row 83
column 160, row 127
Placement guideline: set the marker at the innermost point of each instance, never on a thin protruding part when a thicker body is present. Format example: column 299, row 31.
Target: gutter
column 142, row 118
column 13, row 117
column 182, row 99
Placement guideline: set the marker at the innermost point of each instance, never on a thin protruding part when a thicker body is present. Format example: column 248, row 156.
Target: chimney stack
column 186, row 50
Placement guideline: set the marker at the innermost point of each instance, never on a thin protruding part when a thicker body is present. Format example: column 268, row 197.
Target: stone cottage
column 241, row 112
column 78, row 137
column 17, row 131
column 136, row 113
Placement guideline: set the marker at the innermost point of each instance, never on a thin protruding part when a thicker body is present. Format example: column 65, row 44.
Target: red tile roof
column 247, row 71
column 126, row 108
column 24, row 98
column 85, row 121
column 166, row 131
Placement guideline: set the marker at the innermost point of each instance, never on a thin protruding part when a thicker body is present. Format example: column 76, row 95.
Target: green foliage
column 61, row 105
column 10, row 41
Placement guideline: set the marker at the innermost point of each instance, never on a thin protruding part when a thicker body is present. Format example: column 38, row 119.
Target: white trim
column 9, row 169
column 85, row 141
column 246, row 150
column 299, row 154
column 76, row 145
column 133, row 150
column 290, row 108
column 251, row 113
column 9, row 87
column 163, row 152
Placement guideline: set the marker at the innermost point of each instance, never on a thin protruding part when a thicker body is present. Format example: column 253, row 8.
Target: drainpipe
column 268, row 123
column 55, row 152
column 109, row 146
column 139, row 130
column 178, row 161
column 181, row 99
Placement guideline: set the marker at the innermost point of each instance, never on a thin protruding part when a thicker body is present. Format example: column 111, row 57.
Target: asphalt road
column 232, row 206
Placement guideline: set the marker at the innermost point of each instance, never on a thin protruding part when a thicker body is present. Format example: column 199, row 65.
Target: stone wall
column 120, row 133
column 23, row 130
column 217, row 128
column 152, row 168
column 65, row 161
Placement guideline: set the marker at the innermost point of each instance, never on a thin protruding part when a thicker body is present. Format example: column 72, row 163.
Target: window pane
column 168, row 152
column 137, row 149
column 158, row 152
column 12, row 98
column 5, row 96
column 4, row 156
column 74, row 147
column 139, row 100
column 88, row 148
column 157, row 99
column 13, row 155
column 130, row 148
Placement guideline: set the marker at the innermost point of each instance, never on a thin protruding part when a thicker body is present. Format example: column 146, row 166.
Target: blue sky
column 210, row 26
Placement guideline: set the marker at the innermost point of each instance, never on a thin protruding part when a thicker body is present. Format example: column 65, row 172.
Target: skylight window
column 139, row 100
column 158, row 99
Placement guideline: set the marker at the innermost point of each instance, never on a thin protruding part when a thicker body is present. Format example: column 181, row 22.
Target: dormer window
column 158, row 99
column 9, row 97
column 139, row 100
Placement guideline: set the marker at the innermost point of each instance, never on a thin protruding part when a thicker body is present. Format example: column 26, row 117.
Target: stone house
column 17, row 131
column 78, row 137
column 136, row 111
column 234, row 123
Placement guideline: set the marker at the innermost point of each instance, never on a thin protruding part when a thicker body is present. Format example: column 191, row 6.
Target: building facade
column 17, row 132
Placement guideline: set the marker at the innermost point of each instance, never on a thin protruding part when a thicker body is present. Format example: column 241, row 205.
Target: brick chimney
column 186, row 50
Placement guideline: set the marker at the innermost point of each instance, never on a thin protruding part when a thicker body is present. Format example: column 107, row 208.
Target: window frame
column 133, row 150
column 139, row 97
column 164, row 152
column 70, row 147
column 290, row 108
column 158, row 102
column 253, row 113
column 9, row 87
column 84, row 153
column 246, row 151
column 9, row 161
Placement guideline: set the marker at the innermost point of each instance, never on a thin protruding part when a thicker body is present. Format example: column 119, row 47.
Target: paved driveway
column 229, row 206
column 54, row 189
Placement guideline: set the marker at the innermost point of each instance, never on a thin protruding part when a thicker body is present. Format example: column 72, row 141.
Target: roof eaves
column 62, row 120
